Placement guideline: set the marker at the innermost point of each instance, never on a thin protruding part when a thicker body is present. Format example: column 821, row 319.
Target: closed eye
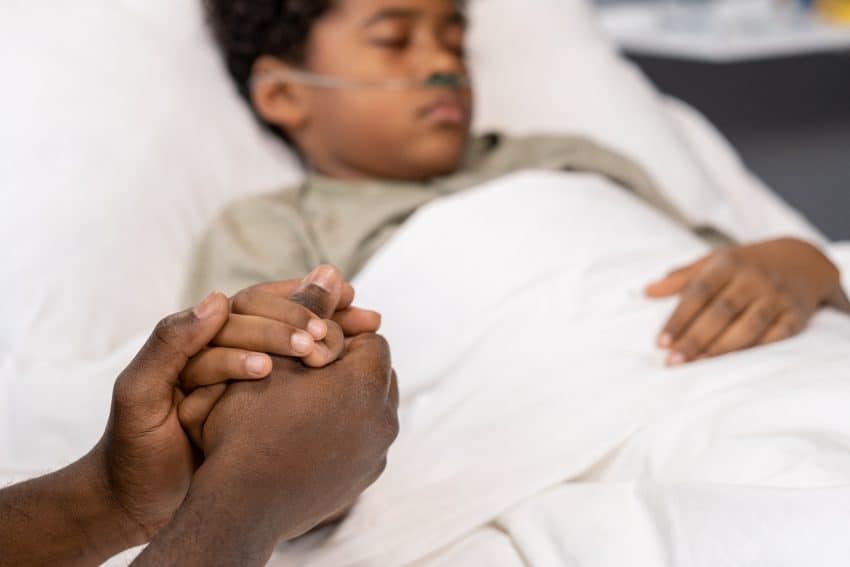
column 394, row 43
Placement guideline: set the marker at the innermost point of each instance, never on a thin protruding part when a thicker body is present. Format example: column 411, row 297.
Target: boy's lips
column 447, row 109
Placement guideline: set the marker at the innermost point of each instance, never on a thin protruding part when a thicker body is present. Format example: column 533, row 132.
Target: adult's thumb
column 155, row 371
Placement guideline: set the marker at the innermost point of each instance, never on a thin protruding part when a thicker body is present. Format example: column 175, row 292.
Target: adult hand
column 147, row 460
column 265, row 318
column 124, row 490
column 283, row 454
column 281, row 318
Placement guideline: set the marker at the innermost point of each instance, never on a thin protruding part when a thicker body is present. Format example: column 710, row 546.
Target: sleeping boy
column 374, row 97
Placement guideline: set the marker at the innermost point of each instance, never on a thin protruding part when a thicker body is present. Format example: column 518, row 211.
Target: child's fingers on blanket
column 195, row 408
column 748, row 330
column 676, row 281
column 714, row 320
column 700, row 291
column 260, row 334
column 218, row 365
column 672, row 284
column 788, row 325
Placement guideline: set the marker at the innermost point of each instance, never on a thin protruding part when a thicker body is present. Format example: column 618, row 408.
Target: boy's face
column 412, row 134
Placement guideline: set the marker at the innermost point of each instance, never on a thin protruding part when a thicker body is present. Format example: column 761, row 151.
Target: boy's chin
column 431, row 167
column 439, row 157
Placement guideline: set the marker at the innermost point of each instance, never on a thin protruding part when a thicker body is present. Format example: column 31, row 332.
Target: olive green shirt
column 284, row 235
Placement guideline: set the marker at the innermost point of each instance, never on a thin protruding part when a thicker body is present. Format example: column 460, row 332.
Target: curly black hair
column 245, row 30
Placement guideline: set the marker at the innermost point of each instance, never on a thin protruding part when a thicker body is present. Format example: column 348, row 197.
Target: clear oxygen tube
column 437, row 80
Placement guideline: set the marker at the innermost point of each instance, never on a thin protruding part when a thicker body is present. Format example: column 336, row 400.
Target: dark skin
column 322, row 296
column 368, row 134
column 268, row 318
column 282, row 455
column 412, row 135
column 746, row 296
column 136, row 478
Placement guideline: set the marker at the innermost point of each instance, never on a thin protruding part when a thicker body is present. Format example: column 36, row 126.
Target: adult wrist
column 101, row 514
column 227, row 518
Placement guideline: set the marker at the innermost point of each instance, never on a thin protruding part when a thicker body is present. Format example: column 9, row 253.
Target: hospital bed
column 123, row 138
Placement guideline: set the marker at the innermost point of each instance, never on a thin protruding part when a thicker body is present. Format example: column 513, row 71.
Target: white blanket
column 525, row 353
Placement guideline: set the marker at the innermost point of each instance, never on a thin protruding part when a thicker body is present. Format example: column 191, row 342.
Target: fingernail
column 317, row 328
column 302, row 343
column 207, row 307
column 665, row 340
column 256, row 364
column 323, row 277
column 676, row 359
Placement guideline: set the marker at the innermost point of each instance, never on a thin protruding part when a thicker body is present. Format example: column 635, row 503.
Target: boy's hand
column 283, row 454
column 741, row 297
column 307, row 319
column 265, row 319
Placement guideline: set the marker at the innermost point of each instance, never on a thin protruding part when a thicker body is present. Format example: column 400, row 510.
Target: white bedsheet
column 480, row 468
column 525, row 353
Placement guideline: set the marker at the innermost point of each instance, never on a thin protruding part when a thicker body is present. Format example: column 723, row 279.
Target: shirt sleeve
column 254, row 241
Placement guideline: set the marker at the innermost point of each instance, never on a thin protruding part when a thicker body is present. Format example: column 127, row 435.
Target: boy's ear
column 280, row 103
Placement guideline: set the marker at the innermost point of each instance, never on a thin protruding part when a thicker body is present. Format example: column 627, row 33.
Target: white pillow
column 545, row 66
column 122, row 137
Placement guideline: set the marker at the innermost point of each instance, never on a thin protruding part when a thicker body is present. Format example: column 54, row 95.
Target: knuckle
column 392, row 426
column 166, row 330
column 380, row 346
column 243, row 300
column 227, row 363
column 377, row 472
column 726, row 307
column 791, row 327
column 699, row 289
column 299, row 315
column 374, row 351
column 167, row 333
column 725, row 258
column 760, row 319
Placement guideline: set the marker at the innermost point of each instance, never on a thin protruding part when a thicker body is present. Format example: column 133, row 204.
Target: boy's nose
column 441, row 59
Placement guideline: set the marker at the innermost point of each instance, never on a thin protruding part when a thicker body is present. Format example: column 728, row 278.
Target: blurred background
column 773, row 75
